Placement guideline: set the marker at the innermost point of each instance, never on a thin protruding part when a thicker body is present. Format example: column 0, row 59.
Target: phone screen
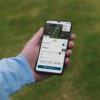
column 53, row 47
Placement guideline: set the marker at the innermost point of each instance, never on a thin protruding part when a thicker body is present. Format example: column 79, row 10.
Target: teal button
column 49, row 67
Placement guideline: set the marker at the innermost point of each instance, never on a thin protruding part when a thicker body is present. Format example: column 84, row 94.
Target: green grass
column 21, row 19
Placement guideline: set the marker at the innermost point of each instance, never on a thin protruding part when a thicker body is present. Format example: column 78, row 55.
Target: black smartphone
column 53, row 47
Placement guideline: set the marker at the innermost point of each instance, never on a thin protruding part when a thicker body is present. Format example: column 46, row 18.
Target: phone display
column 53, row 47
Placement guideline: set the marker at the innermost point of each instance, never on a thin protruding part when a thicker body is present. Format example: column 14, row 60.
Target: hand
column 31, row 51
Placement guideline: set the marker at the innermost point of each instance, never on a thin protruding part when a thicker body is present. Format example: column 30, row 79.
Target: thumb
column 38, row 35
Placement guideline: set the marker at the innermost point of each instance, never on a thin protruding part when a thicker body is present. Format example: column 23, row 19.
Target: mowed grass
column 21, row 19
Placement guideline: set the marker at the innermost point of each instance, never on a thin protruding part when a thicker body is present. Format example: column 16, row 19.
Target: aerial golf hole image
column 55, row 31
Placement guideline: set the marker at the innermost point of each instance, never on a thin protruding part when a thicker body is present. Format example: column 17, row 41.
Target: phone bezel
column 65, row 54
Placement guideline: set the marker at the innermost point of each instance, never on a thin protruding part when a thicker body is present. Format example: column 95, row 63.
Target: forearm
column 15, row 73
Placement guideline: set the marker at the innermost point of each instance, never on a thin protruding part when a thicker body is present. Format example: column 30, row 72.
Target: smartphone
column 53, row 47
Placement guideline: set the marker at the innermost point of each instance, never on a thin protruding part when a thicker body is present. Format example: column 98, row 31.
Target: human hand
column 31, row 51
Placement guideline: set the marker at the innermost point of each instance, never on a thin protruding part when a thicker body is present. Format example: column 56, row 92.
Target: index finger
column 72, row 37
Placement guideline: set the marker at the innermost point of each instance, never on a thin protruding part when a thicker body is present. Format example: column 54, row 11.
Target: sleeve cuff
column 23, row 72
column 27, row 69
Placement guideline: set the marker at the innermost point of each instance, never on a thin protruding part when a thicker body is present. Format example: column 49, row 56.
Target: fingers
column 72, row 37
column 66, row 63
column 38, row 35
column 69, row 53
column 71, row 45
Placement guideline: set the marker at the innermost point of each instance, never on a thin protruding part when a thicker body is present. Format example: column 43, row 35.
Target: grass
column 21, row 19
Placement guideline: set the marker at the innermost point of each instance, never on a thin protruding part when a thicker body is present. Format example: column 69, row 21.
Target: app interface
column 53, row 47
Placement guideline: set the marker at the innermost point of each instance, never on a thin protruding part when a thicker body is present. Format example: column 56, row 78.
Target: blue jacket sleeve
column 15, row 73
column 3, row 95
